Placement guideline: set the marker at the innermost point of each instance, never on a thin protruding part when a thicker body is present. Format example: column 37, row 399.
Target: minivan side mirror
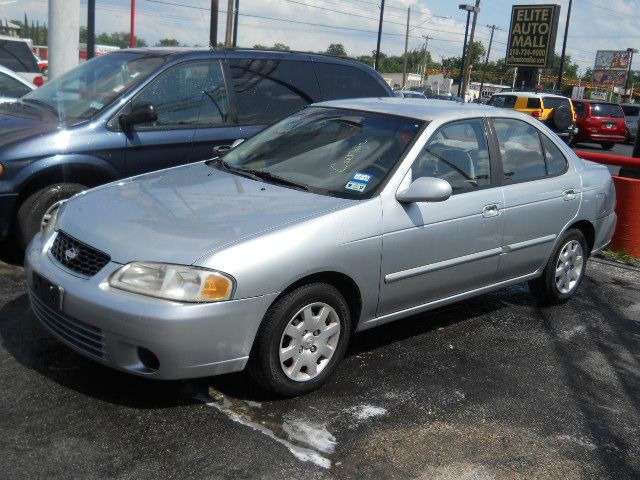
column 425, row 189
column 142, row 112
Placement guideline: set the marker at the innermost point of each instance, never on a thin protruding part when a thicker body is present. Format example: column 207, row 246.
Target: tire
column 265, row 365
column 562, row 118
column 607, row 145
column 32, row 210
column 546, row 289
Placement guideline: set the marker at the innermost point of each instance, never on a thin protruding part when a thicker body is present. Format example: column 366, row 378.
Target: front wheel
column 607, row 145
column 32, row 210
column 564, row 270
column 301, row 340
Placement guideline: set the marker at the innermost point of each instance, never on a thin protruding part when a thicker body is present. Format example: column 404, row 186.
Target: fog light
column 148, row 359
column 1, row 169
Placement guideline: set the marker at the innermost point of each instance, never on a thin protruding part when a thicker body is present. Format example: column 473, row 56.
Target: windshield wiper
column 255, row 174
column 40, row 103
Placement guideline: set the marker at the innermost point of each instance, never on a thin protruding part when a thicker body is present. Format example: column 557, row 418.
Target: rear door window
column 520, row 149
column 267, row 90
column 606, row 110
column 17, row 56
column 343, row 81
column 503, row 101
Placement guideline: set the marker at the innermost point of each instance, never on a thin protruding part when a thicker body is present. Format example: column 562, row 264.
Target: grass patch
column 621, row 256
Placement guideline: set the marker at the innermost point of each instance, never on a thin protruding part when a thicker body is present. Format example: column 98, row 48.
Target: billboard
column 610, row 77
column 532, row 35
column 612, row 59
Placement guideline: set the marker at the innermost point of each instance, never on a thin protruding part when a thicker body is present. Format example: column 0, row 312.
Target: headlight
column 48, row 222
column 173, row 282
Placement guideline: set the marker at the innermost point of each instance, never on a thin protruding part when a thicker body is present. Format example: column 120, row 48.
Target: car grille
column 84, row 337
column 77, row 256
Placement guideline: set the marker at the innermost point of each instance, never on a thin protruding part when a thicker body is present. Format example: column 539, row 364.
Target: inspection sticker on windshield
column 362, row 177
column 357, row 186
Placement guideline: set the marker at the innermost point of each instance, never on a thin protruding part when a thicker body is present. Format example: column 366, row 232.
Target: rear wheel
column 607, row 145
column 36, row 205
column 564, row 270
column 302, row 338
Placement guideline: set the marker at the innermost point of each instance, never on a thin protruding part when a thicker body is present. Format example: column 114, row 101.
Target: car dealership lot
column 491, row 387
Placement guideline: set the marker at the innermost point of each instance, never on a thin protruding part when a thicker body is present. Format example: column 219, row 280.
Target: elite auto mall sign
column 532, row 35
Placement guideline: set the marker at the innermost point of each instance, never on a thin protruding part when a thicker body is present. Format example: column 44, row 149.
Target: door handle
column 569, row 194
column 221, row 149
column 492, row 210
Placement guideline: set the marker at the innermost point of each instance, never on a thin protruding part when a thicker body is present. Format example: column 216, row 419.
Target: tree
column 281, row 46
column 119, row 39
column 337, row 50
column 168, row 42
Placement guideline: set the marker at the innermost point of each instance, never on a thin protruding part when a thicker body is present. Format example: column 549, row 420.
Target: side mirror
column 142, row 112
column 425, row 189
column 237, row 142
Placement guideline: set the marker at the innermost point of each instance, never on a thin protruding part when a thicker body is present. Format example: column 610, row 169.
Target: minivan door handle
column 492, row 210
column 569, row 194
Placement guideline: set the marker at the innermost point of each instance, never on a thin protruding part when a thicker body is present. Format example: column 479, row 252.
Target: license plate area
column 47, row 292
column 608, row 124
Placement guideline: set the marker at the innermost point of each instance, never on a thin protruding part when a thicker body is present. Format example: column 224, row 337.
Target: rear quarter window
column 554, row 102
column 17, row 56
column 343, row 81
column 503, row 101
column 533, row 103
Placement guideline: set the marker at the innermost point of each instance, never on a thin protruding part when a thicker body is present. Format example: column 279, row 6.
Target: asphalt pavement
column 493, row 387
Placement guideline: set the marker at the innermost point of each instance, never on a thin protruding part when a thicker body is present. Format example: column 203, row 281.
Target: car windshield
column 338, row 152
column 554, row 102
column 606, row 110
column 85, row 91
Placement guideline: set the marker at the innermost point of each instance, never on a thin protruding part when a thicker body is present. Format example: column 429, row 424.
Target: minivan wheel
column 607, row 145
column 32, row 210
column 301, row 340
column 564, row 270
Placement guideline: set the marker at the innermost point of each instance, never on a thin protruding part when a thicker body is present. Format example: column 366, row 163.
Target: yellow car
column 555, row 111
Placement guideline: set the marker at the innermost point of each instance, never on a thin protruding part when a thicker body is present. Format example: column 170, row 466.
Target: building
column 8, row 28
column 488, row 89
column 395, row 80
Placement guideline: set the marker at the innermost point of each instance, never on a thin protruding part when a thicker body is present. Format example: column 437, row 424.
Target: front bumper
column 110, row 326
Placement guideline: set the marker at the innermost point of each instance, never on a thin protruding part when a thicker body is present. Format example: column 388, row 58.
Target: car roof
column 531, row 94
column 419, row 109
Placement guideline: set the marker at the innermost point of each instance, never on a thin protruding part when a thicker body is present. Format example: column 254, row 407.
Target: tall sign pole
column 228, row 39
column 132, row 40
column 91, row 29
column 235, row 24
column 406, row 46
column 467, row 59
column 564, row 47
column 213, row 25
column 375, row 63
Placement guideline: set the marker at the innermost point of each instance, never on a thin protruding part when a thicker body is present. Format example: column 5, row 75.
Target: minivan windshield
column 331, row 151
column 85, row 91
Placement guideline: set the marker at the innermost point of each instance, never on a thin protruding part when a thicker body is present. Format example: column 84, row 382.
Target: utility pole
column 213, row 25
column 467, row 59
column 464, row 44
column 564, row 46
column 132, row 40
column 91, row 29
column 406, row 46
column 228, row 39
column 64, row 36
column 235, row 24
column 486, row 60
column 424, row 68
column 375, row 63
column 626, row 81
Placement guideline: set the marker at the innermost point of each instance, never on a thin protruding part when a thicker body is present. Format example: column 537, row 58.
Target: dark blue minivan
column 138, row 110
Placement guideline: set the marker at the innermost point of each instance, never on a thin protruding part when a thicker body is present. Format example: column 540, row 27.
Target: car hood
column 19, row 123
column 180, row 214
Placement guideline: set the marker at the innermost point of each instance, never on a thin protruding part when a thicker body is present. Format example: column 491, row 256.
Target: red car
column 599, row 122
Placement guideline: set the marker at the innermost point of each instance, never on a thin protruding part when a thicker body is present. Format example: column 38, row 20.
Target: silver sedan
column 344, row 216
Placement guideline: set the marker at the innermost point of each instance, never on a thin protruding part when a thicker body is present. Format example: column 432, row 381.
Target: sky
column 314, row 24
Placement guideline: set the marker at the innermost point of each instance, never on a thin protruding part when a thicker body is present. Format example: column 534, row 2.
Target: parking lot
column 489, row 388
